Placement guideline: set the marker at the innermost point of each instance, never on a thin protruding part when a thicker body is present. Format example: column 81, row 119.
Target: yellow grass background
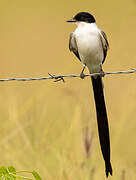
column 42, row 123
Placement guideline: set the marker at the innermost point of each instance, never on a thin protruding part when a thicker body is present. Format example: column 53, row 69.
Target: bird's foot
column 102, row 73
column 82, row 75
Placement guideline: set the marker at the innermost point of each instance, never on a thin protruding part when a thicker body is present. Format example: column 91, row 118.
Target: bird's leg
column 102, row 74
column 82, row 75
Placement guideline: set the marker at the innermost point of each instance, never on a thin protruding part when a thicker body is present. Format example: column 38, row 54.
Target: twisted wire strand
column 61, row 77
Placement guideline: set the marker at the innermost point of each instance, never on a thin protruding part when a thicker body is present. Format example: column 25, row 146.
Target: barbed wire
column 61, row 77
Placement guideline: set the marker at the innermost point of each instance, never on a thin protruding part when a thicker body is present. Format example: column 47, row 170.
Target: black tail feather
column 108, row 169
column 102, row 121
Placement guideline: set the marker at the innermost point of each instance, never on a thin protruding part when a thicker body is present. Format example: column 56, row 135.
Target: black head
column 83, row 17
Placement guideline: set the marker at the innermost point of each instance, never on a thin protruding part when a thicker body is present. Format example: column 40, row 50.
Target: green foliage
column 10, row 173
column 7, row 173
column 36, row 175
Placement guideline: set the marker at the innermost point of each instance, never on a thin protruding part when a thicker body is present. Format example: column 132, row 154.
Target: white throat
column 85, row 24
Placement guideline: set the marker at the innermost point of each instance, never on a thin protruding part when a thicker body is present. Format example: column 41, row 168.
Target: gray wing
column 73, row 45
column 105, row 43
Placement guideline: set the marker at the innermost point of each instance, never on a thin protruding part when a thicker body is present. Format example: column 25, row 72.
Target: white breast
column 89, row 45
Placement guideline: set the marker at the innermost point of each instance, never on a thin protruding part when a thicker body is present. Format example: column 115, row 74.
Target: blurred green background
column 45, row 125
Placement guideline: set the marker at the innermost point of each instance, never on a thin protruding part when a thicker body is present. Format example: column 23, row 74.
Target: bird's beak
column 71, row 20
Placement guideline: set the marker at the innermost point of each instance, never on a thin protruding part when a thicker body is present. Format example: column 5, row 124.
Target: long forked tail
column 102, row 121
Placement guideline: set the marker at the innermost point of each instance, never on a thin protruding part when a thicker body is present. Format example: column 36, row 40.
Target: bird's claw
column 102, row 73
column 82, row 75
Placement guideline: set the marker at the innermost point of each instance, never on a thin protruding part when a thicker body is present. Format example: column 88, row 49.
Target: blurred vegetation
column 10, row 173
column 51, row 127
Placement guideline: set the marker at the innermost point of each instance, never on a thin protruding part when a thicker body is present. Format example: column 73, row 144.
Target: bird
column 90, row 46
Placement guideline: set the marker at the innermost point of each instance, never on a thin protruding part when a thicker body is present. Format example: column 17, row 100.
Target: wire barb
column 61, row 77
column 57, row 77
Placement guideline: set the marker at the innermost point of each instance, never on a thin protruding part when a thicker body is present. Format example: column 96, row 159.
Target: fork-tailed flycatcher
column 90, row 45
